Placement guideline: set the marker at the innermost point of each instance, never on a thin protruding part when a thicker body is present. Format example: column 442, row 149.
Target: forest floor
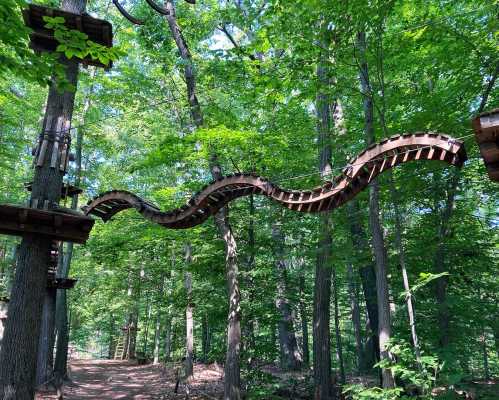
column 110, row 379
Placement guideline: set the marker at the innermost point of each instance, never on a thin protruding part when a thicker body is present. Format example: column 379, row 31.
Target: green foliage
column 424, row 279
column 16, row 57
column 359, row 392
column 419, row 375
column 73, row 43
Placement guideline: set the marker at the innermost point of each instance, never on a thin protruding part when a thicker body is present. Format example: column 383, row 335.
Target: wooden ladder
column 120, row 347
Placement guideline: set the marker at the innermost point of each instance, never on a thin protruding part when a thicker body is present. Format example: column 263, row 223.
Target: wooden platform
column 61, row 283
column 63, row 224
column 486, row 127
column 42, row 39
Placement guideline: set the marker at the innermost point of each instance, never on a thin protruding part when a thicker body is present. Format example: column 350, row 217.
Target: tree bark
column 368, row 280
column 20, row 344
column 248, row 328
column 355, row 310
column 189, row 319
column 304, row 322
column 185, row 54
column 45, row 359
column 337, row 331
column 322, row 288
column 290, row 356
column 61, row 309
column 384, row 323
column 157, row 329
column 206, row 337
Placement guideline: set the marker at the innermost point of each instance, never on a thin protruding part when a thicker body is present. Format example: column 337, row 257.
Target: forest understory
column 110, row 379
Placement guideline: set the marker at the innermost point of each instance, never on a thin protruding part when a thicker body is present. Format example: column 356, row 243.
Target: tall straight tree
column 189, row 318
column 384, row 323
column 232, row 382
column 322, row 287
column 20, row 343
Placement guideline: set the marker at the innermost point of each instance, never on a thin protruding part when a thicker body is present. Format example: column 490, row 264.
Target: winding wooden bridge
column 353, row 179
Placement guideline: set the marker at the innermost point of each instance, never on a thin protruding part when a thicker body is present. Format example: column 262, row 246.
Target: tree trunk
column 189, row 319
column 368, row 281
column 290, row 357
column 169, row 316
column 486, row 373
column 337, row 331
column 322, row 287
column 353, row 293
column 112, row 337
column 322, row 297
column 206, row 337
column 232, row 369
column 157, row 330
column 401, row 254
column 20, row 344
column 232, row 382
column 304, row 322
column 384, row 323
column 61, row 309
column 45, row 359
column 248, row 328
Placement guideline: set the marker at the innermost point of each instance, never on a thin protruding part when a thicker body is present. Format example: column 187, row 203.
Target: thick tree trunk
column 384, row 323
column 322, row 297
column 232, row 383
column 20, row 344
column 61, row 318
column 45, row 360
column 322, row 287
column 290, row 356
column 189, row 319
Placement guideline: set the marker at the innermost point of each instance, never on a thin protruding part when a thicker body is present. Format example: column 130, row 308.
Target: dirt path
column 109, row 379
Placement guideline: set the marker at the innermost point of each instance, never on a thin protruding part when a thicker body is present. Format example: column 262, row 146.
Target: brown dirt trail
column 110, row 379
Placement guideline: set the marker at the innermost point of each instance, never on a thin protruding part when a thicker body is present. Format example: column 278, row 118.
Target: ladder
column 120, row 347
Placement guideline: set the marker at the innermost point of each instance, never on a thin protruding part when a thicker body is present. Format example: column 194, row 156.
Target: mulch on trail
column 110, row 379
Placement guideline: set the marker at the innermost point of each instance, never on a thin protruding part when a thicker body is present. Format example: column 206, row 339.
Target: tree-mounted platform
column 486, row 127
column 67, row 191
column 61, row 283
column 42, row 39
column 61, row 224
